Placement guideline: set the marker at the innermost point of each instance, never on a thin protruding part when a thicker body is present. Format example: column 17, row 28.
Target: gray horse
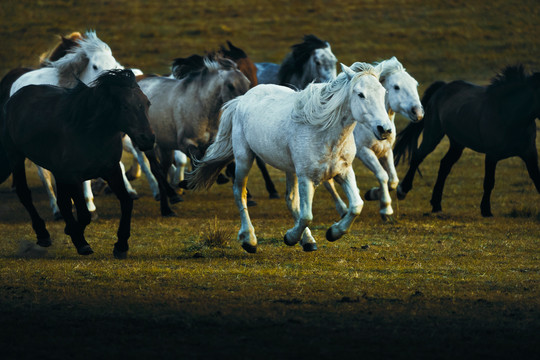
column 185, row 114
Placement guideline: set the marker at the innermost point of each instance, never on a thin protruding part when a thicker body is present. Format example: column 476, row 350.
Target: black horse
column 497, row 120
column 77, row 135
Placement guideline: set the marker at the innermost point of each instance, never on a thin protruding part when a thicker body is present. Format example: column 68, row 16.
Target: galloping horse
column 185, row 113
column 376, row 153
column 307, row 134
column 497, row 120
column 77, row 135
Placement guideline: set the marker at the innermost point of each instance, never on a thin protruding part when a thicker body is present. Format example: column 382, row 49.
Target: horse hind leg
column 127, row 184
column 25, row 197
column 489, row 183
column 341, row 207
column 292, row 199
column 246, row 235
column 74, row 228
column 451, row 157
column 272, row 192
column 46, row 178
column 89, row 197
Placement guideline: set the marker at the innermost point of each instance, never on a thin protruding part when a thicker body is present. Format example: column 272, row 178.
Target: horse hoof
column 401, row 195
column 222, row 179
column 157, row 197
column 287, row 242
column 249, row 248
column 94, row 215
column 44, row 242
column 175, row 199
column 57, row 216
column 170, row 214
column 274, row 195
column 120, row 255
column 309, row 247
column 388, row 218
column 251, row 203
column 134, row 195
column 329, row 236
column 369, row 195
column 487, row 214
column 85, row 250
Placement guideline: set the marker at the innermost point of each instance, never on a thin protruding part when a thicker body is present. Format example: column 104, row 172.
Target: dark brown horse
column 497, row 120
column 77, row 135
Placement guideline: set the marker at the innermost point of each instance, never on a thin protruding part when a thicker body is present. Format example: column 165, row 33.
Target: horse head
column 234, row 82
column 129, row 106
column 401, row 90
column 367, row 99
column 244, row 63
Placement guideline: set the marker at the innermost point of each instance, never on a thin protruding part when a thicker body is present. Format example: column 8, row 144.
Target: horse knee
column 393, row 184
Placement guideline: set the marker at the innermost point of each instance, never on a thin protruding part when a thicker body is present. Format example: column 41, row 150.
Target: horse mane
column 233, row 53
column 387, row 67
column 73, row 64
column 98, row 96
column 197, row 66
column 300, row 54
column 510, row 75
column 325, row 104
column 66, row 43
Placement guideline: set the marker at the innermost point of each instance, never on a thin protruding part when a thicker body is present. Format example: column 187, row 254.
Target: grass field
column 445, row 286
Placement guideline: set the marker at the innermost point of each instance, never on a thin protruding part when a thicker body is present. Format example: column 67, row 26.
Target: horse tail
column 217, row 156
column 407, row 139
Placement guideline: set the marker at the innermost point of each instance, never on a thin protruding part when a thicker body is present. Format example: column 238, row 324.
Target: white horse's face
column 323, row 62
column 367, row 106
column 402, row 95
column 98, row 63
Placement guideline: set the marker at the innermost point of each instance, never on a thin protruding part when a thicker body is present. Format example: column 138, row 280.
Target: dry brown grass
column 453, row 285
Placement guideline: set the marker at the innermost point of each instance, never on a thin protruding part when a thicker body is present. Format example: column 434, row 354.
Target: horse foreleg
column 451, row 157
column 164, row 186
column 341, row 207
column 116, row 184
column 380, row 193
column 180, row 161
column 489, row 183
column 25, row 197
column 272, row 192
column 246, row 235
column 46, row 178
column 292, row 199
column 127, row 184
column 89, row 197
column 74, row 228
column 348, row 183
column 531, row 161
column 300, row 231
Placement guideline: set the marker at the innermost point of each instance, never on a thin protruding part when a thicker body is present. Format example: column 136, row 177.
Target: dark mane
column 197, row 66
column 514, row 74
column 233, row 53
column 294, row 61
column 181, row 67
column 116, row 77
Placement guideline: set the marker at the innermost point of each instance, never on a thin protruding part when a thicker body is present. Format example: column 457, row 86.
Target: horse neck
column 207, row 94
column 517, row 111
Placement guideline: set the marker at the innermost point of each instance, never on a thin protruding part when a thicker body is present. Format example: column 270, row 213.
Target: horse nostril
column 380, row 129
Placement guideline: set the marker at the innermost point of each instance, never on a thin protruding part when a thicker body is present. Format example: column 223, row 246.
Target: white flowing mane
column 388, row 67
column 326, row 104
column 76, row 60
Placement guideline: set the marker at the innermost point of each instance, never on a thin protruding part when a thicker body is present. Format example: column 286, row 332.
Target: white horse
column 308, row 134
column 85, row 63
column 185, row 113
column 401, row 97
column 309, row 61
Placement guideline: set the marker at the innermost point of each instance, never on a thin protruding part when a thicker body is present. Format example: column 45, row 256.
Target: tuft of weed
column 217, row 236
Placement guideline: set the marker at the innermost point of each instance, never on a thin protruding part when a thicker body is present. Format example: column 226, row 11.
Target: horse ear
column 347, row 70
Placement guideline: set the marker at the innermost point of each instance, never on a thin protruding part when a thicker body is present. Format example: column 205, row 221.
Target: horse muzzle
column 144, row 142
column 416, row 114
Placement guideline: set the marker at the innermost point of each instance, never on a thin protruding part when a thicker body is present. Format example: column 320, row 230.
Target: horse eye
column 361, row 96
column 396, row 87
column 231, row 87
column 94, row 67
column 317, row 62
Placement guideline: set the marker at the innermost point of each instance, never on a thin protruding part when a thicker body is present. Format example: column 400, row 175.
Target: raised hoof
column 44, row 242
column 388, row 218
column 329, row 235
column 273, row 195
column 57, row 216
column 309, row 247
column 85, row 250
column 251, row 203
column 94, row 215
column 134, row 195
column 222, row 179
column 157, row 197
column 175, row 199
column 401, row 195
column 287, row 242
column 369, row 195
column 120, row 255
column 249, row 248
